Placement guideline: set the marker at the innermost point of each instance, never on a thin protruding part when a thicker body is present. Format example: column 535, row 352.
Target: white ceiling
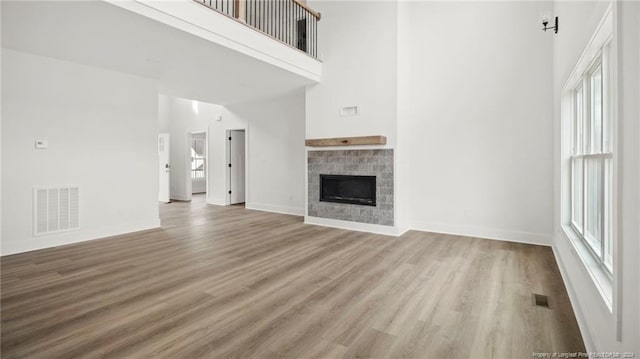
column 99, row 34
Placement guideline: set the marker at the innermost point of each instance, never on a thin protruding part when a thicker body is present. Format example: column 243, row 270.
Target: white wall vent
column 349, row 111
column 55, row 209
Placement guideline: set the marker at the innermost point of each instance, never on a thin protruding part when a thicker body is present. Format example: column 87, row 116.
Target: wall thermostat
column 42, row 144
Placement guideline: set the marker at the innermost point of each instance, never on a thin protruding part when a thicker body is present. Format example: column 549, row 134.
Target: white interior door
column 236, row 166
column 163, row 167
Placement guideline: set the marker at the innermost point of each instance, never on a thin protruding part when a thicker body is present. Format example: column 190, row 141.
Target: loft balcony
column 282, row 33
column 288, row 21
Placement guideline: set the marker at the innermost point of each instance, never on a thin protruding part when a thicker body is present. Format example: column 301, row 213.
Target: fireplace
column 374, row 207
column 348, row 189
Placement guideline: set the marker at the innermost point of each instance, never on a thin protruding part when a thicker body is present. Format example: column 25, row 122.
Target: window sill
column 600, row 278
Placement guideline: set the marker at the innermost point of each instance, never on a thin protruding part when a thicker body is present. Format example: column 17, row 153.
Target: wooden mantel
column 347, row 141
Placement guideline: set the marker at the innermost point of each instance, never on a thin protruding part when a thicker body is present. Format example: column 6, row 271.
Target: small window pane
column 577, row 193
column 608, row 221
column 579, row 122
column 194, row 163
column 197, row 168
column 596, row 111
column 606, row 99
column 594, row 205
column 197, row 145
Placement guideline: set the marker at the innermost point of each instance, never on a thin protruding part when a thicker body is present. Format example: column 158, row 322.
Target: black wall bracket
column 546, row 22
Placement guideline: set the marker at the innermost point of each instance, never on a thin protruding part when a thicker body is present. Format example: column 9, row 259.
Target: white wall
column 600, row 327
column 475, row 111
column 275, row 142
column 358, row 45
column 277, row 160
column 638, row 164
column 164, row 103
column 628, row 278
column 0, row 142
column 101, row 127
column 403, row 156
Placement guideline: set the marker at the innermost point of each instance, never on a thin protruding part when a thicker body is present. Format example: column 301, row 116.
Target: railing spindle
column 281, row 18
column 297, row 26
column 261, row 14
column 288, row 22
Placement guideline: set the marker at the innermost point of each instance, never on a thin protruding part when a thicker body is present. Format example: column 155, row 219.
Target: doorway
column 301, row 34
column 198, row 165
column 163, row 168
column 236, row 141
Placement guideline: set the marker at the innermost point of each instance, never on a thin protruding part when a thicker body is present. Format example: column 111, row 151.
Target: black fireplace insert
column 348, row 189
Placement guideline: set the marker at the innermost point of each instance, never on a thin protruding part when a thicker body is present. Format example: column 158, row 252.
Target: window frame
column 599, row 52
column 582, row 148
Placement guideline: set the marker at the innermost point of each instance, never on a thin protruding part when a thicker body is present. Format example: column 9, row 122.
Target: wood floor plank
column 229, row 282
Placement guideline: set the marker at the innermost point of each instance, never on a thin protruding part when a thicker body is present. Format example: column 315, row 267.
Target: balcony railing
column 288, row 21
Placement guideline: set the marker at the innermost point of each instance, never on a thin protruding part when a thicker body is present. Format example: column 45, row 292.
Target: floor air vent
column 56, row 209
column 540, row 300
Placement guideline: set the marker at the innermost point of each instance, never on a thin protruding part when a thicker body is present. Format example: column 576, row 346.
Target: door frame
column 188, row 182
column 227, row 173
column 168, row 169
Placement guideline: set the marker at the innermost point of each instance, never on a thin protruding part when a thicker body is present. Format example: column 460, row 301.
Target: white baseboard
column 481, row 232
column 274, row 208
column 577, row 310
column 402, row 231
column 353, row 226
column 76, row 236
column 180, row 197
column 217, row 201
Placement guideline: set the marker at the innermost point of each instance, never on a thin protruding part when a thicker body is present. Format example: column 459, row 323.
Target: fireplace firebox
column 348, row 189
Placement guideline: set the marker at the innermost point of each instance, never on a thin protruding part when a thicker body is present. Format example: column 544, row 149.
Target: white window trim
column 603, row 280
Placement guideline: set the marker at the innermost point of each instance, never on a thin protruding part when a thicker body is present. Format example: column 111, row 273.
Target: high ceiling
column 99, row 34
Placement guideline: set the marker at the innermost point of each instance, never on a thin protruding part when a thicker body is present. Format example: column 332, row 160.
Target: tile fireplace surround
column 377, row 163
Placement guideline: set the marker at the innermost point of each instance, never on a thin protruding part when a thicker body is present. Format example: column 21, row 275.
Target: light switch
column 42, row 144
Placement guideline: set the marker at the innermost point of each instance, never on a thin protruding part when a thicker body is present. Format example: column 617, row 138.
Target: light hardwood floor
column 229, row 282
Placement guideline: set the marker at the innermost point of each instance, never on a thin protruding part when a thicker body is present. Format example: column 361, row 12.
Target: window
column 197, row 157
column 589, row 157
column 591, row 162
